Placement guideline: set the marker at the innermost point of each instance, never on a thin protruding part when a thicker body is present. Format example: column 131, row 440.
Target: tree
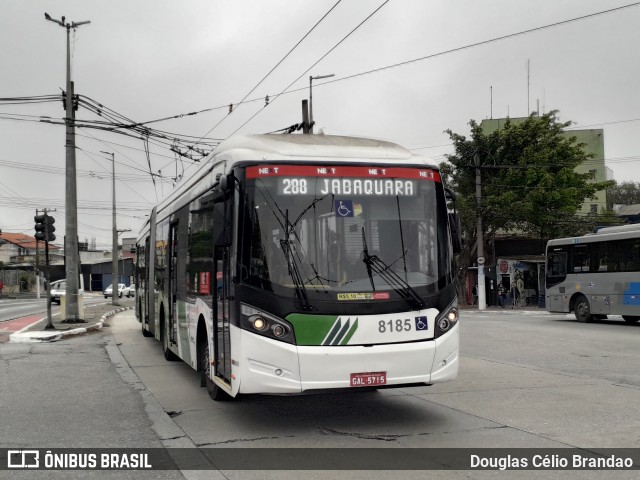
column 528, row 180
column 625, row 193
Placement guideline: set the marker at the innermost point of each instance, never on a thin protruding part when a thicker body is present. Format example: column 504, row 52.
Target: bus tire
column 582, row 309
column 215, row 392
column 631, row 319
column 145, row 332
column 168, row 354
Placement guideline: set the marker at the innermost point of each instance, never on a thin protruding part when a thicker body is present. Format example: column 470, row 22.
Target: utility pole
column 482, row 301
column 37, row 267
column 311, row 79
column 123, row 267
column 114, row 234
column 71, row 253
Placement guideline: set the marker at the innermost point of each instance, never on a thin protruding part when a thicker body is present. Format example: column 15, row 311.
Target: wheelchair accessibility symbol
column 344, row 208
column 421, row 323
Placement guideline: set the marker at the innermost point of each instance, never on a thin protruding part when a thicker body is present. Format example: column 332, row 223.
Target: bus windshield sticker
column 364, row 296
column 344, row 208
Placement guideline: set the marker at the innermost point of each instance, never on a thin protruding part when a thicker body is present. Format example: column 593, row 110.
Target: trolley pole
column 305, row 117
column 72, row 255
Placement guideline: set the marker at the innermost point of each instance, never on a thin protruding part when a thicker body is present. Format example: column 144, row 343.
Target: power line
column 273, row 69
column 318, row 61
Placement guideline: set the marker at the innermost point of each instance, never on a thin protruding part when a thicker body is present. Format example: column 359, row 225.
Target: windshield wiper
column 377, row 265
column 292, row 264
column 367, row 259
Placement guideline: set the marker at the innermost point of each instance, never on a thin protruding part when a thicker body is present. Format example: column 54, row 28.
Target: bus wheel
column 215, row 392
column 631, row 319
column 164, row 337
column 145, row 332
column 168, row 354
column 582, row 309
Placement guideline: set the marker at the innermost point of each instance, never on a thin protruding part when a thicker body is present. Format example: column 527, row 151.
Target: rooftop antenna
column 491, row 94
column 528, row 110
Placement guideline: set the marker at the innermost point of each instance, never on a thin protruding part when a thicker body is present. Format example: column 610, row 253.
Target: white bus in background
column 298, row 263
column 595, row 275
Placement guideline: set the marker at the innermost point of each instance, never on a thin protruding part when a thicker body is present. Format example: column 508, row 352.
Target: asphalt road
column 526, row 380
column 11, row 308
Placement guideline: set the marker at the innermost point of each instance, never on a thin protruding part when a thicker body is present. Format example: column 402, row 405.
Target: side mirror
column 454, row 222
column 456, row 232
column 221, row 225
column 224, row 183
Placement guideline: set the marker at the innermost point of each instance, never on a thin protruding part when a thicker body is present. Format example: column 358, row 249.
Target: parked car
column 132, row 289
column 122, row 290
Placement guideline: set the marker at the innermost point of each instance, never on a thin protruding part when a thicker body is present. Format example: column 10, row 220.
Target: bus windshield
column 346, row 229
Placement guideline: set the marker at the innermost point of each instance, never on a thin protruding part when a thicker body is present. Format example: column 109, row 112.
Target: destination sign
column 344, row 180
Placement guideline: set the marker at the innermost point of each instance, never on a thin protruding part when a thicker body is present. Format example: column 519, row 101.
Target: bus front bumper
column 267, row 366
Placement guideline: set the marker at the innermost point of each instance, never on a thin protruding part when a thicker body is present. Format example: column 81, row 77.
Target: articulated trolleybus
column 595, row 275
column 292, row 264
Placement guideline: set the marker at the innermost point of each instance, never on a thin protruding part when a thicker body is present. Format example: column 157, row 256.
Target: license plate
column 368, row 379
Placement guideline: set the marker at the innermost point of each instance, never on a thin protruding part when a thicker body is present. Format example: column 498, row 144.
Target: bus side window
column 604, row 266
column 581, row 259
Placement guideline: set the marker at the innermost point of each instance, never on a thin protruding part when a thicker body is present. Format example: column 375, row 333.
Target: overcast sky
column 149, row 60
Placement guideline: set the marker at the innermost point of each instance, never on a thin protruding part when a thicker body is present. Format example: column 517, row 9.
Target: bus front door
column 222, row 304
column 173, row 283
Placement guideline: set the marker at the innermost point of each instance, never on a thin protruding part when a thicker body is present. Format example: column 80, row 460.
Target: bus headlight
column 446, row 320
column 260, row 323
column 279, row 330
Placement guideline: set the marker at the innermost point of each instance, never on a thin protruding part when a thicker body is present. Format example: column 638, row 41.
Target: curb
column 506, row 311
column 46, row 336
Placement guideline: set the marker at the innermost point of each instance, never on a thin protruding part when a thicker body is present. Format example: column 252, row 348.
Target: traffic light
column 44, row 227
column 49, row 228
column 40, row 227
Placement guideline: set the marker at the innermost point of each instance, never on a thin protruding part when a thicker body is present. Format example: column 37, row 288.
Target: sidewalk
column 95, row 318
column 526, row 310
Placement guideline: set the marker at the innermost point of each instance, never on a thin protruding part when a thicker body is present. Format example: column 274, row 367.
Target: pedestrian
column 474, row 292
column 502, row 293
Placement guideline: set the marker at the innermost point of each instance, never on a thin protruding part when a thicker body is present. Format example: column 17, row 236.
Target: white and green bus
column 595, row 275
column 291, row 264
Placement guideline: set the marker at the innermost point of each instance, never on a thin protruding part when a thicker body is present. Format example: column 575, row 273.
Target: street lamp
column 114, row 233
column 72, row 256
column 311, row 79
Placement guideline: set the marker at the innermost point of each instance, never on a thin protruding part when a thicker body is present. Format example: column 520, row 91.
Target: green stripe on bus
column 310, row 329
column 354, row 327
column 342, row 333
column 332, row 333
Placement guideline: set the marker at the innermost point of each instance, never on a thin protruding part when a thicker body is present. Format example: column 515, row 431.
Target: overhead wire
column 313, row 65
column 49, row 98
column 275, row 67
